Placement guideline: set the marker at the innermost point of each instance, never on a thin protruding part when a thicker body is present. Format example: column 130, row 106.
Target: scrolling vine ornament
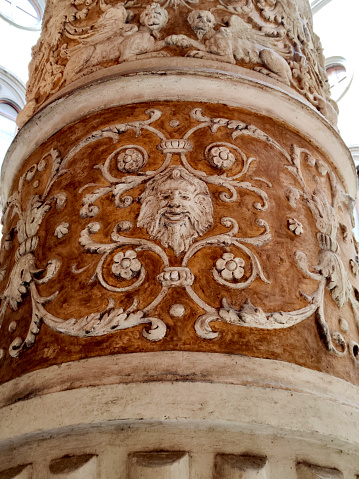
column 272, row 37
column 330, row 273
column 177, row 213
column 176, row 204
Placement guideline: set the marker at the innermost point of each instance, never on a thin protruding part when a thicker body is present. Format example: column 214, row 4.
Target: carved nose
column 174, row 201
column 174, row 204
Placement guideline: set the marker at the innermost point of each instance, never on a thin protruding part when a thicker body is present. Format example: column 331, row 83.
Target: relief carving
column 112, row 39
column 354, row 266
column 272, row 38
column 62, row 230
column 180, row 213
column 101, row 43
column 295, row 226
column 176, row 209
column 330, row 272
column 237, row 42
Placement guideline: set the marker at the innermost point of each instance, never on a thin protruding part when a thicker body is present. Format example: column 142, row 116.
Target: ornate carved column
column 178, row 270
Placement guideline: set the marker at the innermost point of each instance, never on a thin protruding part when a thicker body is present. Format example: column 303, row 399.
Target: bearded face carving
column 176, row 209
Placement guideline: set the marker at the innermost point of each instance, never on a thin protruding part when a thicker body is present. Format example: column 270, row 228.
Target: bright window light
column 8, row 127
column 23, row 13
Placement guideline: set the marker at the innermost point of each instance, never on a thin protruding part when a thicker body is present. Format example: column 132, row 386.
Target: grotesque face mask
column 176, row 209
column 201, row 22
column 154, row 17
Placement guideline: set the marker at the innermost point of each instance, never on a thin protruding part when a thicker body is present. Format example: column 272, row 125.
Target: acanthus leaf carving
column 236, row 43
column 175, row 198
column 272, row 38
column 176, row 213
column 330, row 272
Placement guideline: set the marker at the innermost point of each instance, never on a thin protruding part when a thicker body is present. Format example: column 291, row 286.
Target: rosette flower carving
column 221, row 157
column 126, row 265
column 130, row 160
column 229, row 267
column 295, row 226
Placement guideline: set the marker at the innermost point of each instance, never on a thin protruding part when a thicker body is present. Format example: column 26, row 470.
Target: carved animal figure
column 112, row 39
column 142, row 43
column 237, row 42
column 102, row 44
column 176, row 209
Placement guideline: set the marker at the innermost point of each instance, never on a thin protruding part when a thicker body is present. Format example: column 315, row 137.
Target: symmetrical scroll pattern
column 177, row 215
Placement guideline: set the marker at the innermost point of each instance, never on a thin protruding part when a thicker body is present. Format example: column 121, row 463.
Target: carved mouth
column 155, row 22
column 203, row 27
column 175, row 216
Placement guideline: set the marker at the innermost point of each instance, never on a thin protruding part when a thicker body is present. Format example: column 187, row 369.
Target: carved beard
column 177, row 235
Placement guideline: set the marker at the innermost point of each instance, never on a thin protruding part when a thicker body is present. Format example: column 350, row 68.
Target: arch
column 340, row 75
column 25, row 14
column 12, row 100
column 316, row 5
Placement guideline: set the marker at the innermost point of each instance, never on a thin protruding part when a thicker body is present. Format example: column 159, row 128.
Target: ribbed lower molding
column 199, row 415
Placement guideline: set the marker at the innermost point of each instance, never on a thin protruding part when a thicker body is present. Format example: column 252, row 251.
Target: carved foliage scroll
column 272, row 38
column 187, row 206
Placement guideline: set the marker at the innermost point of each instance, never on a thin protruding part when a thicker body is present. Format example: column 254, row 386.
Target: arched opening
column 8, row 129
column 22, row 13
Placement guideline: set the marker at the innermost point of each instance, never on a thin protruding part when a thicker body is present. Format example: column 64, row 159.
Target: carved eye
column 185, row 197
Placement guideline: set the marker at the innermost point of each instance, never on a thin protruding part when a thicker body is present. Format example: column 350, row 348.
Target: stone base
column 179, row 415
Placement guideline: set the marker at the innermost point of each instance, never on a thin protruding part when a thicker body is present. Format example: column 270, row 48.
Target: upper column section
column 179, row 187
column 270, row 37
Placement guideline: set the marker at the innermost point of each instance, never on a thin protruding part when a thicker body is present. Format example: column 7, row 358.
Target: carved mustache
column 158, row 215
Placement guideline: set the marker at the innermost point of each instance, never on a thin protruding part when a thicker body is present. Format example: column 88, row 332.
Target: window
column 22, row 13
column 316, row 5
column 8, row 130
column 336, row 74
column 12, row 100
column 8, row 113
column 339, row 75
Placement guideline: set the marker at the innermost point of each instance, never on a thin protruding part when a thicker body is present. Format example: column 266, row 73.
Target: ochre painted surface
column 80, row 294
